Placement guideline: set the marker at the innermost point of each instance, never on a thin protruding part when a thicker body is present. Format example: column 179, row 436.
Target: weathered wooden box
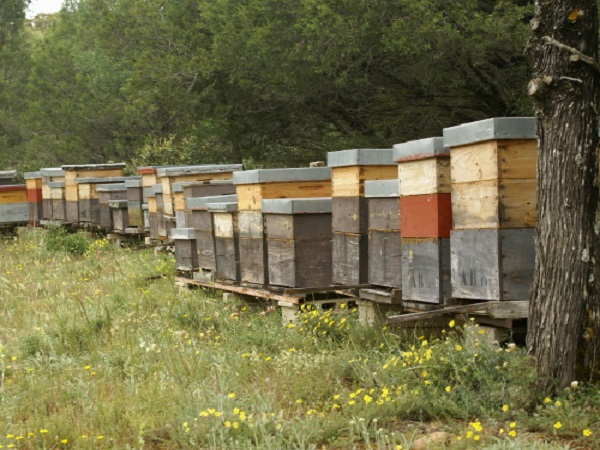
column 107, row 193
column 385, row 241
column 14, row 208
column 225, row 223
column 49, row 174
column 492, row 264
column 211, row 188
column 72, row 188
column 89, row 202
column 350, row 253
column 57, row 196
column 135, row 202
column 186, row 251
column 424, row 178
column 493, row 175
column 426, row 270
column 161, row 224
column 351, row 168
column 120, row 214
column 204, row 172
column 33, row 183
column 8, row 177
column 202, row 224
column 253, row 186
column 253, row 247
column 299, row 242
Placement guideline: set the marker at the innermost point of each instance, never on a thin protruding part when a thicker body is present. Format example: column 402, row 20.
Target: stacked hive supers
column 14, row 209
column 134, row 203
column 494, row 208
column 252, row 187
column 50, row 175
column 227, row 254
column 349, row 171
column 298, row 241
column 33, row 183
column 425, row 219
column 89, row 201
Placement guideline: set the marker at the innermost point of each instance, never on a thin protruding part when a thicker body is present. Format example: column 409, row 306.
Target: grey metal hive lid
column 382, row 188
column 178, row 187
column 111, row 187
column 204, row 183
column 157, row 188
column 133, row 182
column 52, row 172
column 361, row 157
column 118, row 204
column 182, row 233
column 93, row 166
column 96, row 180
column 192, row 170
column 199, row 203
column 222, row 207
column 8, row 173
column 420, row 149
column 32, row 175
column 282, row 175
column 56, row 184
column 320, row 205
column 496, row 128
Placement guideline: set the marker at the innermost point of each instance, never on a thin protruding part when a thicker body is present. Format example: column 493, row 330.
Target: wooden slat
column 350, row 181
column 250, row 196
column 426, row 176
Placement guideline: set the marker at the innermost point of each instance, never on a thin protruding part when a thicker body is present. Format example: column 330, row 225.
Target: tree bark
column 564, row 308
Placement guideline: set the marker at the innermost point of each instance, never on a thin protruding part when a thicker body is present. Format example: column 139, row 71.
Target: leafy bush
column 59, row 240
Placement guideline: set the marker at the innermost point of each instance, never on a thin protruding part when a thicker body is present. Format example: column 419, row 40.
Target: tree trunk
column 564, row 308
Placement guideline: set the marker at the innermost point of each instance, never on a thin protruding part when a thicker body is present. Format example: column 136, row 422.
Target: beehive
column 211, row 188
column 425, row 219
column 186, row 251
column 48, row 175
column 120, row 214
column 224, row 219
column 255, row 186
column 298, row 241
column 72, row 189
column 135, row 202
column 57, row 197
column 14, row 209
column 107, row 193
column 8, row 177
column 494, row 193
column 385, row 242
column 33, row 183
column 350, row 169
column 88, row 200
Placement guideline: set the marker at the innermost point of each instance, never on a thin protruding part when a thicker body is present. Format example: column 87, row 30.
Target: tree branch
column 576, row 55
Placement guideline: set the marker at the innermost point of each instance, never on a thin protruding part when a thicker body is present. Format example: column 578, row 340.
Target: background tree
column 564, row 311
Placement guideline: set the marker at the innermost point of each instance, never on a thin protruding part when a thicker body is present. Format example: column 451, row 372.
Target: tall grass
column 96, row 351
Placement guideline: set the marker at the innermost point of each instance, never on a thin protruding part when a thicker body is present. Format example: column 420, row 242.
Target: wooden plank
column 13, row 196
column 299, row 263
column 494, row 159
column 14, row 213
column 390, row 297
column 350, row 258
column 426, row 216
column 186, row 254
column 206, row 189
column 349, row 181
column 349, row 215
column 518, row 262
column 225, row 224
column 495, row 204
column 426, row 270
column 298, row 226
column 496, row 310
column 227, row 258
column 425, row 176
column 250, row 196
column 168, row 181
column 385, row 258
column 205, row 245
column 253, row 261
column 384, row 213
column 251, row 224
column 202, row 221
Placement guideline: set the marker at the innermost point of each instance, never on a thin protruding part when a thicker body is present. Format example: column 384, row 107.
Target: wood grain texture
column 426, row 270
column 510, row 203
column 58, row 209
column 250, row 196
column 350, row 181
column 385, row 258
column 227, row 259
column 251, row 224
column 202, row 221
column 167, row 182
column 349, row 214
column 298, row 226
column 47, row 208
column 383, row 214
column 205, row 244
column 494, row 160
column 253, row 260
column 13, row 196
column 120, row 218
column 426, row 216
column 424, row 176
column 225, row 224
column 300, row 263
column 186, row 254
column 350, row 258
column 14, row 213
column 208, row 190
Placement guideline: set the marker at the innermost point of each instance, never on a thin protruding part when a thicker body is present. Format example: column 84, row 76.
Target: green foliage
column 60, row 240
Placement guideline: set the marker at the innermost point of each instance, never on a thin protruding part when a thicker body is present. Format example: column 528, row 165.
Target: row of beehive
column 462, row 225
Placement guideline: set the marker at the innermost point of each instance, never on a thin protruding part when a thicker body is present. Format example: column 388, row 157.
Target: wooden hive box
column 186, row 252
column 209, row 188
column 33, row 183
column 492, row 264
column 89, row 202
column 152, row 210
column 57, row 196
column 14, row 208
column 493, row 174
column 120, row 214
column 426, row 270
column 135, row 202
column 350, row 169
column 8, row 177
column 203, row 172
column 74, row 172
column 385, row 242
column 203, row 226
column 49, row 174
column 299, row 241
column 424, row 178
column 161, row 221
column 107, row 193
column 254, row 186
column 224, row 218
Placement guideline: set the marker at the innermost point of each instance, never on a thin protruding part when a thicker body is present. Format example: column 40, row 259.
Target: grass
column 96, row 351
